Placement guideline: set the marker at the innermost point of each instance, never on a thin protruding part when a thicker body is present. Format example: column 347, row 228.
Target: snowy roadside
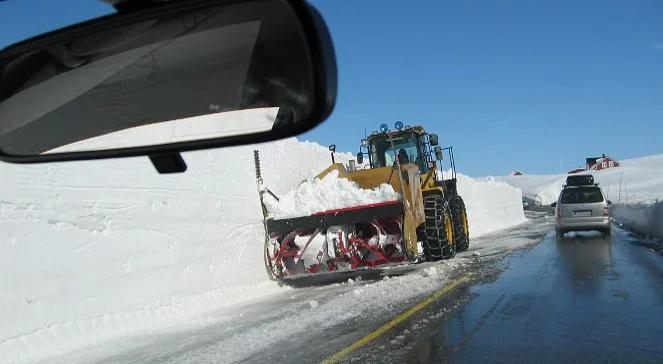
column 92, row 251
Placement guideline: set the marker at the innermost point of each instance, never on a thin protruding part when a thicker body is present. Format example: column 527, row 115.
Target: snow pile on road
column 326, row 193
column 635, row 188
column 491, row 205
column 94, row 251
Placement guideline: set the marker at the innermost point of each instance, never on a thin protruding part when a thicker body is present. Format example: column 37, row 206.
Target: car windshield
column 545, row 246
column 582, row 195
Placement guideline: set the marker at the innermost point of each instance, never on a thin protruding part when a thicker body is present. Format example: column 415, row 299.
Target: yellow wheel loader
column 429, row 220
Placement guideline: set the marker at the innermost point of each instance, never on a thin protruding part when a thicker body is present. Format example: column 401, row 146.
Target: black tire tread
column 435, row 244
column 462, row 239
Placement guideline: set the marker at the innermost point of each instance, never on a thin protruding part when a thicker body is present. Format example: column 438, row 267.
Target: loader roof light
column 364, row 142
column 398, row 125
column 384, row 128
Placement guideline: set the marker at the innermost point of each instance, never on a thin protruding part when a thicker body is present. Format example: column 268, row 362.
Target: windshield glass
column 582, row 195
column 406, row 145
column 535, row 217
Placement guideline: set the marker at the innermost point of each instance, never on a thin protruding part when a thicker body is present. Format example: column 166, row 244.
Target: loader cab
column 412, row 140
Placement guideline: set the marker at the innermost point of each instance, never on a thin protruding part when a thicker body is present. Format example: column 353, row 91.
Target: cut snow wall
column 643, row 218
column 491, row 205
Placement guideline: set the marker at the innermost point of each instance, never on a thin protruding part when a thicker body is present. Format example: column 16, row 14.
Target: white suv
column 582, row 207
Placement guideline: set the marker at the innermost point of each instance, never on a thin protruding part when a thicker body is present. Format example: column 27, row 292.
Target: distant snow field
column 94, row 251
column 638, row 180
column 635, row 188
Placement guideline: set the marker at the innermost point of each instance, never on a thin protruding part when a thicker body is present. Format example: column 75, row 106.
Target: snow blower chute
column 426, row 216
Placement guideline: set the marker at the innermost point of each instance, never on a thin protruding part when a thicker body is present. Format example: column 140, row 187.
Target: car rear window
column 582, row 195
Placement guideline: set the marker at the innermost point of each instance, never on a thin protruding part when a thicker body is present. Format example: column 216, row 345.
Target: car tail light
column 606, row 211
column 559, row 213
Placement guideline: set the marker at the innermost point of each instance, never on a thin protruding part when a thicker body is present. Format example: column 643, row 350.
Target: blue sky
column 535, row 86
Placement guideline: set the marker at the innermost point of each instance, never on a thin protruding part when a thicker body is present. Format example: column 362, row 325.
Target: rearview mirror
column 554, row 204
column 609, row 203
column 178, row 76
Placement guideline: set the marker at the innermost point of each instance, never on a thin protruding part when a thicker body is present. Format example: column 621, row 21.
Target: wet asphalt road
column 581, row 299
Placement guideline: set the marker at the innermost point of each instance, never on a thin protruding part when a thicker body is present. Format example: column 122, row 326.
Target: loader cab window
column 383, row 155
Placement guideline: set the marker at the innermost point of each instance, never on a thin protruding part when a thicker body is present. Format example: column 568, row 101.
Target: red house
column 599, row 163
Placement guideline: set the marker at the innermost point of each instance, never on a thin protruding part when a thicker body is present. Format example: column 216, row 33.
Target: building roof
column 601, row 160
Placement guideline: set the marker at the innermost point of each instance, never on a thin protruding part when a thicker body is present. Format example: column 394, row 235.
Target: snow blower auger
column 427, row 222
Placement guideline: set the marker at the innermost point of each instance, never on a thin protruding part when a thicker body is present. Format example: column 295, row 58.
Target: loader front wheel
column 460, row 224
column 439, row 241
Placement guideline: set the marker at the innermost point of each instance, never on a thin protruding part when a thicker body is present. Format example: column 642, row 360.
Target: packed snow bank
column 643, row 218
column 491, row 205
column 93, row 251
column 327, row 193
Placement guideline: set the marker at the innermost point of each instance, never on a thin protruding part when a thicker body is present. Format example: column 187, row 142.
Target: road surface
column 580, row 299
column 520, row 296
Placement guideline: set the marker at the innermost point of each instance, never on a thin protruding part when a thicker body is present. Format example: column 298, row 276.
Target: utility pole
column 620, row 186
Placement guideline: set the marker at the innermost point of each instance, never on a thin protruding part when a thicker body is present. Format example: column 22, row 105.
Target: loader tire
column 438, row 243
column 460, row 225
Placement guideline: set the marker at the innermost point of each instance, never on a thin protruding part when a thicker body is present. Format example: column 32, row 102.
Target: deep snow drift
column 92, row 251
column 635, row 188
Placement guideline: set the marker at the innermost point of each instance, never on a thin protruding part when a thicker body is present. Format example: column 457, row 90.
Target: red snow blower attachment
column 346, row 238
column 425, row 212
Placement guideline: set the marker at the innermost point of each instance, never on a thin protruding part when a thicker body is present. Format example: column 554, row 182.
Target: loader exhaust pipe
column 332, row 149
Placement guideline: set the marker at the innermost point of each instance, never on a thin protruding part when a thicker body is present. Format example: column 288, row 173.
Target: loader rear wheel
column 460, row 225
column 438, row 243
